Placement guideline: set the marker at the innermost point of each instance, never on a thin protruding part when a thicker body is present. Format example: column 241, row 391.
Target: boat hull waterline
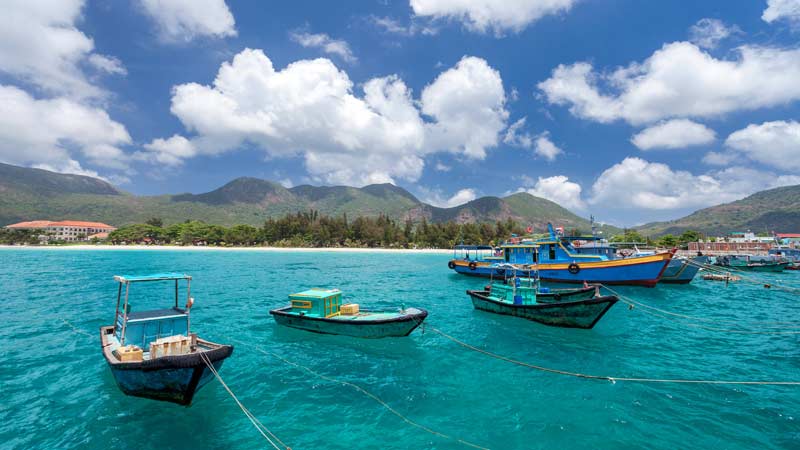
column 400, row 325
column 640, row 271
column 573, row 314
column 173, row 379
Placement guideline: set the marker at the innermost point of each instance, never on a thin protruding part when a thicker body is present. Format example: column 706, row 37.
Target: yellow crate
column 130, row 353
column 350, row 309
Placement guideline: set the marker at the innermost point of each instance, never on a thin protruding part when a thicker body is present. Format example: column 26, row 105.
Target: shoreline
column 233, row 249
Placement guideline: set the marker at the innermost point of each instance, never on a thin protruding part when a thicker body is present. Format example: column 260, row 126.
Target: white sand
column 226, row 249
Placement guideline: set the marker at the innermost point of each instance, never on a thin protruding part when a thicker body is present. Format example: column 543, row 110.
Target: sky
column 630, row 110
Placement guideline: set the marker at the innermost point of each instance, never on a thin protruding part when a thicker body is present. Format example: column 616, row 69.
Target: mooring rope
column 741, row 273
column 613, row 379
column 629, row 301
column 367, row 393
column 263, row 430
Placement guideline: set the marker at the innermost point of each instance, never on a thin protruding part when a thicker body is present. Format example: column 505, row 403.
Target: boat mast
column 116, row 312
column 125, row 311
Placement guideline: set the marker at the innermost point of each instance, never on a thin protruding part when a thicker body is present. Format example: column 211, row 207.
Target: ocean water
column 56, row 391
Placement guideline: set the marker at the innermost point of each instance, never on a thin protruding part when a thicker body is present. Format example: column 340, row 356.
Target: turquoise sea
column 56, row 391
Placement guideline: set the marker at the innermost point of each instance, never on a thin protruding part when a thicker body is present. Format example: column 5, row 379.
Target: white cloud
column 545, row 147
column 675, row 133
column 171, row 152
column 309, row 109
column 468, row 105
column 517, row 138
column 393, row 26
column 324, row 42
column 774, row 144
column 719, row 159
column 708, row 33
column 491, row 15
column 107, row 64
column 662, row 87
column 40, row 44
column 782, row 9
column 185, row 20
column 442, row 167
column 45, row 133
column 638, row 184
column 434, row 197
column 559, row 190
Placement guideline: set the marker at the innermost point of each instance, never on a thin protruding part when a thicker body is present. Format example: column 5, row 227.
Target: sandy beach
column 225, row 249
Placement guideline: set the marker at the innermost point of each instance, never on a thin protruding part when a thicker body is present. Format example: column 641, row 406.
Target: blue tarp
column 152, row 277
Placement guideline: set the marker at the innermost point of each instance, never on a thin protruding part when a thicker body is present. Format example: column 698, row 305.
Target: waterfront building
column 65, row 230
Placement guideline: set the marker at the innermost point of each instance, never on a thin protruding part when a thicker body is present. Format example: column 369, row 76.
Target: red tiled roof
column 102, row 235
column 76, row 223
column 31, row 224
column 788, row 235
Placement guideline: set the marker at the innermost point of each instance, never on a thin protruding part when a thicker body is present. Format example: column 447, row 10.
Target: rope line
column 607, row 377
column 630, row 301
column 741, row 274
column 368, row 394
column 262, row 429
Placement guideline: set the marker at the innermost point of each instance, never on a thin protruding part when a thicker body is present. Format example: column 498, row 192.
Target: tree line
column 312, row 229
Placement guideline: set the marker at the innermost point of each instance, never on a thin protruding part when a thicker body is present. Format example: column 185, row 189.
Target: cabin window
column 508, row 253
column 552, row 254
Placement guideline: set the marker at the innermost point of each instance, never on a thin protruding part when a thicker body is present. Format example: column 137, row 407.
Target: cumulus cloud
column 185, row 20
column 491, row 15
column 324, row 42
column 638, row 184
column 546, row 148
column 170, row 152
column 719, row 158
column 774, row 144
column 436, row 198
column 708, row 33
column 516, row 137
column 44, row 133
column 309, row 109
column 676, row 133
column 661, row 87
column 782, row 10
column 559, row 190
column 40, row 44
column 107, row 64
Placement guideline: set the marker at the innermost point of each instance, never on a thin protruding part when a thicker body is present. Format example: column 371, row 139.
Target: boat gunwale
column 417, row 317
column 217, row 352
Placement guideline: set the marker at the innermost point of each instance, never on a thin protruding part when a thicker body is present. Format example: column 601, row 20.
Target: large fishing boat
column 680, row 270
column 752, row 263
column 322, row 311
column 153, row 354
column 523, row 297
column 561, row 263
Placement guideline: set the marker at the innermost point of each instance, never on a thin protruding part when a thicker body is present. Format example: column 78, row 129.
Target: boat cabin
column 545, row 252
column 156, row 326
column 317, row 302
column 787, row 253
column 475, row 253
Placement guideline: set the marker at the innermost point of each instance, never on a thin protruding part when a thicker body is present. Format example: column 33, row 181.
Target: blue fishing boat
column 680, row 270
column 153, row 353
column 522, row 297
column 321, row 311
column 554, row 261
column 752, row 263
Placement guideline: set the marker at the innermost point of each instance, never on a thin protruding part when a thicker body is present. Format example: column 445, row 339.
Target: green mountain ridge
column 766, row 211
column 31, row 194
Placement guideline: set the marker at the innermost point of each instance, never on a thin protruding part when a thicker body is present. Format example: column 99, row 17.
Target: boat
column 752, row 263
column 521, row 297
column 321, row 311
column 556, row 262
column 153, row 353
column 680, row 270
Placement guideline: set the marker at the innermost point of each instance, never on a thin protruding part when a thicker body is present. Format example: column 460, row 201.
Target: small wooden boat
column 321, row 311
column 582, row 308
column 153, row 354
column 721, row 277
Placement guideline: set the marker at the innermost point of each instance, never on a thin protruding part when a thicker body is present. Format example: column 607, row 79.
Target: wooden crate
column 350, row 309
column 130, row 353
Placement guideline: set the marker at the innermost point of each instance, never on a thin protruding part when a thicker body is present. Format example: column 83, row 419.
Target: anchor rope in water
column 663, row 312
column 613, row 379
column 741, row 273
column 368, row 394
column 262, row 429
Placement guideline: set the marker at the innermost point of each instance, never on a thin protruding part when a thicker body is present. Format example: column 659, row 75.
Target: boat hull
column 400, row 326
column 639, row 271
column 682, row 271
column 173, row 379
column 560, row 295
column 573, row 314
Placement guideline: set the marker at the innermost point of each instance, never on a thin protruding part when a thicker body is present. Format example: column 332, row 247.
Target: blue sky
column 632, row 111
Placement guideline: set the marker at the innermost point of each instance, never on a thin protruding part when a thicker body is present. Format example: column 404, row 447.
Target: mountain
column 766, row 211
column 30, row 194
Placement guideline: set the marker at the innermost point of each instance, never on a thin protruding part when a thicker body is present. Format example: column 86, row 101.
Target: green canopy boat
column 321, row 311
column 523, row 297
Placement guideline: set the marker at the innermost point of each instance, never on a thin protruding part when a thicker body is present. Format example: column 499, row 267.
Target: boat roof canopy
column 152, row 277
column 474, row 247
